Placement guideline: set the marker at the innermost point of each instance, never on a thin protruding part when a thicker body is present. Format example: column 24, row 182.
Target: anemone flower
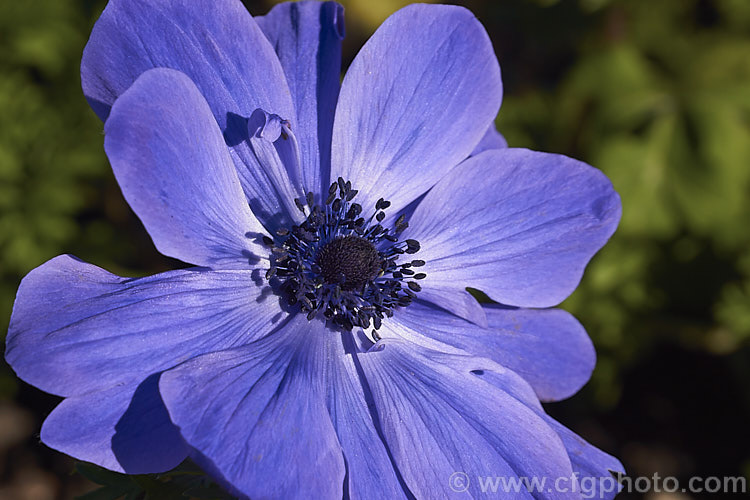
column 324, row 342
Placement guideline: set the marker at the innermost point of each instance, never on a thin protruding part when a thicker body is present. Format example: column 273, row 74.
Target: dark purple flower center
column 342, row 265
column 350, row 261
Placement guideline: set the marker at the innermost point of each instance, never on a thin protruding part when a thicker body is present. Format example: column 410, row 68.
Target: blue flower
column 324, row 344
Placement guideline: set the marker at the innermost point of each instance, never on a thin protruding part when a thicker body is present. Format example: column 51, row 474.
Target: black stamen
column 300, row 207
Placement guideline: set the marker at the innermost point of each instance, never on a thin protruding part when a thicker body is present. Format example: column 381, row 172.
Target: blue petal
column 440, row 419
column 516, row 224
column 215, row 42
column 256, row 416
column 414, row 103
column 175, row 172
column 220, row 47
column 458, row 301
column 506, row 380
column 125, row 428
column 370, row 472
column 76, row 328
column 307, row 38
column 492, row 139
column 593, row 467
column 548, row 348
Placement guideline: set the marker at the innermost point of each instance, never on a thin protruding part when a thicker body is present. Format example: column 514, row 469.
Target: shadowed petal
column 492, row 139
column 271, row 142
column 548, row 348
column 175, row 172
column 125, row 428
column 257, row 415
column 439, row 418
column 516, row 224
column 76, row 328
column 307, row 38
column 414, row 103
column 219, row 46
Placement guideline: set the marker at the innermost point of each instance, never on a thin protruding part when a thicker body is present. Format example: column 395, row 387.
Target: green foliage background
column 656, row 94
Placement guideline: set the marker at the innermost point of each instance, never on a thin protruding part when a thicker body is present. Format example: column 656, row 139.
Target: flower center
column 343, row 265
column 350, row 261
